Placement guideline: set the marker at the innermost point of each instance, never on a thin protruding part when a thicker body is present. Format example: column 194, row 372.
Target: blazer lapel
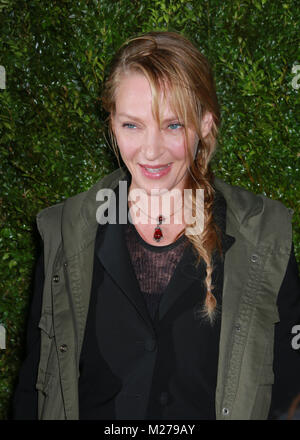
column 184, row 276
column 111, row 249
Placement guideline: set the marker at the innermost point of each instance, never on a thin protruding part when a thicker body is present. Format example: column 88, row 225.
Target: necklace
column 158, row 234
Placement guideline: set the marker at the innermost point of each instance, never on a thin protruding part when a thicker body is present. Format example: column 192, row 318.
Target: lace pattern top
column 153, row 265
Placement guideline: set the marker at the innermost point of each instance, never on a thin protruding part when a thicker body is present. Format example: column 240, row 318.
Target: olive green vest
column 254, row 269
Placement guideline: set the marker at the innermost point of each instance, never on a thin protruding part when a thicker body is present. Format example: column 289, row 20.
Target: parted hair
column 174, row 66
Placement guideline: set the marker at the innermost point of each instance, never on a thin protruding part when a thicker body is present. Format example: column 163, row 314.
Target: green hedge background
column 52, row 136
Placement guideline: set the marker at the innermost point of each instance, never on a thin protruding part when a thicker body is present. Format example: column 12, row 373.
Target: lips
column 157, row 168
column 155, row 171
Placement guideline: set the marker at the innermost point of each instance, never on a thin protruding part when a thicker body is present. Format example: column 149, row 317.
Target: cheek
column 176, row 148
column 189, row 150
column 128, row 145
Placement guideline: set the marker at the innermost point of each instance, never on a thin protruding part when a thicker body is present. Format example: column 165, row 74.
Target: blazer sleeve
column 286, row 364
column 25, row 399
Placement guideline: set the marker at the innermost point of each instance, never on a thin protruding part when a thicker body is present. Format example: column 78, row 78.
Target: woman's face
column 155, row 156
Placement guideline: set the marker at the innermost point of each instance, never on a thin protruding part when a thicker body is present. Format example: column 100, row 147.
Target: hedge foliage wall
column 54, row 55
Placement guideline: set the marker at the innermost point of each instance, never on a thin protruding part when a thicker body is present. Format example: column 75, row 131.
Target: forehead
column 134, row 93
column 133, row 87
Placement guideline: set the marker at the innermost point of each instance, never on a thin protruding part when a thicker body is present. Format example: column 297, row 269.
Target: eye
column 175, row 126
column 128, row 125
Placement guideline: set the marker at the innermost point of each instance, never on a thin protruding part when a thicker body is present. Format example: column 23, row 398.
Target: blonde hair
column 173, row 65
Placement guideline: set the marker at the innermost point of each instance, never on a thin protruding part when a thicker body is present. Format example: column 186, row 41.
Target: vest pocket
column 262, row 402
column 267, row 375
column 46, row 324
column 45, row 378
column 263, row 396
column 49, row 403
column 45, row 386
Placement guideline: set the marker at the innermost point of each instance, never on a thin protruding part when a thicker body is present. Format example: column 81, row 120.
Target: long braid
column 208, row 240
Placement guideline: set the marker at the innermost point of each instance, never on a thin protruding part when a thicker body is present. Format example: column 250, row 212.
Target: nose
column 152, row 144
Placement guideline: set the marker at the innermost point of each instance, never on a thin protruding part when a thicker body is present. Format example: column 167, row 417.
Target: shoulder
column 245, row 202
column 255, row 215
column 51, row 217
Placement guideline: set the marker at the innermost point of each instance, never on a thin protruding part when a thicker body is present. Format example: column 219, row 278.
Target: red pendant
column 157, row 234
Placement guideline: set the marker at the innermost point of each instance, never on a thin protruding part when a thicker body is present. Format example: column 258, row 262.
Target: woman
column 162, row 319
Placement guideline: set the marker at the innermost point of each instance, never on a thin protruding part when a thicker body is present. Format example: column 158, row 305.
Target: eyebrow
column 132, row 117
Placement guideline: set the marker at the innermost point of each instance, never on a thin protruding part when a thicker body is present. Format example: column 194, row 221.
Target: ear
column 206, row 124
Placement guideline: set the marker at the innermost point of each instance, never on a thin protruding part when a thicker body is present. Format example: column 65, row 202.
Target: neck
column 169, row 204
